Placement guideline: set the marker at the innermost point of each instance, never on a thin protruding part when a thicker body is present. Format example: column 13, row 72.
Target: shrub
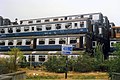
column 55, row 64
column 84, row 64
column 4, row 68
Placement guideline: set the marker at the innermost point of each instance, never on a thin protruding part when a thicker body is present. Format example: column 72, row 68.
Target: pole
column 66, row 61
column 31, row 60
column 66, row 67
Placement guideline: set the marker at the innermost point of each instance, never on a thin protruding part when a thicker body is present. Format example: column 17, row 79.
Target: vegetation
column 55, row 64
column 114, row 63
column 84, row 63
column 10, row 64
column 41, row 75
column 15, row 57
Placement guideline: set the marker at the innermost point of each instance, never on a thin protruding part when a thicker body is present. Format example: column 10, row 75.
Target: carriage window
column 95, row 17
column 82, row 24
column 32, row 28
column 62, row 41
column 81, row 16
column 77, row 17
column 2, row 31
column 94, row 43
column 38, row 21
column 19, row 42
column 65, row 18
column 70, row 18
column 48, row 27
column 112, row 43
column 33, row 58
column 55, row 19
column 28, row 42
column 30, row 21
column 61, row 19
column 2, row 43
column 10, row 30
column 21, row 22
column 26, row 28
column 42, row 41
column 58, row 26
column 18, row 29
column 10, row 43
column 52, row 41
column 118, row 30
column 68, row 25
column 75, row 24
column 47, row 20
column 41, row 58
column 39, row 28
column 73, row 40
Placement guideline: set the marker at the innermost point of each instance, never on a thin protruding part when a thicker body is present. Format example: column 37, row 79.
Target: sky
column 32, row 9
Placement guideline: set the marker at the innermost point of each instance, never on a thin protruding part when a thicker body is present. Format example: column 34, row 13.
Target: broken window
column 2, row 31
column 10, row 30
column 62, row 41
column 48, row 27
column 32, row 28
column 28, row 42
column 47, row 20
column 19, row 42
column 30, row 21
column 41, row 41
column 2, row 42
column 10, row 43
column 65, row 18
column 18, row 29
column 75, row 24
column 81, row 24
column 51, row 41
column 58, row 26
column 68, row 25
column 39, row 28
column 55, row 19
column 38, row 21
column 26, row 28
column 73, row 40
column 41, row 58
column 33, row 58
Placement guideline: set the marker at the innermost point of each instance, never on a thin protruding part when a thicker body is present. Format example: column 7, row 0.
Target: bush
column 4, row 66
column 55, row 64
column 84, row 64
column 78, row 64
column 114, row 64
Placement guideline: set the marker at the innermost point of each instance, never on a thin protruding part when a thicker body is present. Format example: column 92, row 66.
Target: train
column 82, row 31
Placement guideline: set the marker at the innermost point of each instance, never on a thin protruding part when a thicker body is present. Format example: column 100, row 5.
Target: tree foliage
column 15, row 57
column 114, row 63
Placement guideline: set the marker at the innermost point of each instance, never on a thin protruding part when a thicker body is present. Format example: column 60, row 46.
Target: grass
column 42, row 75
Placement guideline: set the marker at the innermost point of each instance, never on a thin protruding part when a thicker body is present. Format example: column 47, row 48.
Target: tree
column 98, row 53
column 100, row 63
column 114, row 63
column 15, row 56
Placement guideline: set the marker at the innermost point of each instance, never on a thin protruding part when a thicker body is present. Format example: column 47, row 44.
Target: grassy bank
column 39, row 75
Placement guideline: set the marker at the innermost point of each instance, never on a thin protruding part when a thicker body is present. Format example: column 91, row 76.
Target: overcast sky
column 31, row 9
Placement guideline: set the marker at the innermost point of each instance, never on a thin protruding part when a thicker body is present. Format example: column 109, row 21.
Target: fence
column 115, row 76
column 20, row 75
